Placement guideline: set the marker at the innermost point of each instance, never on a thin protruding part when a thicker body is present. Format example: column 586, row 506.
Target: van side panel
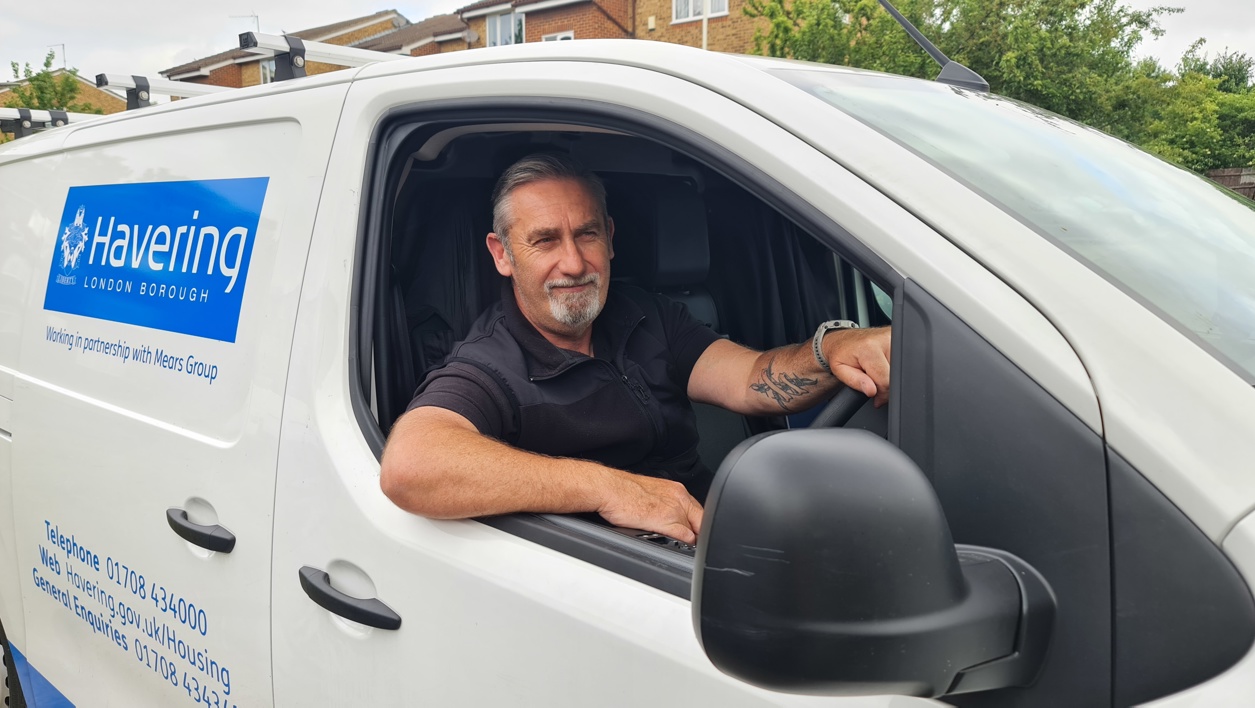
column 22, row 184
column 153, row 360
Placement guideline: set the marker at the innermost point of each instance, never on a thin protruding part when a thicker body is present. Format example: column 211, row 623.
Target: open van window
column 684, row 230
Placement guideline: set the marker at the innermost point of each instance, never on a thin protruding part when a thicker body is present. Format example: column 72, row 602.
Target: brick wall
column 620, row 10
column 250, row 73
column 427, row 49
column 229, row 75
column 478, row 25
column 733, row 32
column 453, row 45
column 96, row 98
column 586, row 19
column 317, row 67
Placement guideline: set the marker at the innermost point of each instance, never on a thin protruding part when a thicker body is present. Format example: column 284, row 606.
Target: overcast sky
column 147, row 36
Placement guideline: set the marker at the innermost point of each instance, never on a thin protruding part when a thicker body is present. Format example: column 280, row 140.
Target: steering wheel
column 840, row 409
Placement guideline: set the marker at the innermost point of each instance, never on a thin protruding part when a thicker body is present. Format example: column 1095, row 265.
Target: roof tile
column 430, row 27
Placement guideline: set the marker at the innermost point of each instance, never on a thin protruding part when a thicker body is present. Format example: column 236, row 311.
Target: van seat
column 662, row 245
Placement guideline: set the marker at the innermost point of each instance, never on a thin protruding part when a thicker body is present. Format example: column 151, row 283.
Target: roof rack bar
column 291, row 53
column 291, row 64
column 26, row 121
column 140, row 89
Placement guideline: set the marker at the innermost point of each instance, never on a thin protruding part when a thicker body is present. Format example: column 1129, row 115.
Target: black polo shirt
column 627, row 407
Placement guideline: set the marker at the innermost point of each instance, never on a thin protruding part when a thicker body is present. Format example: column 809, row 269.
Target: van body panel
column 131, row 609
column 1236, row 685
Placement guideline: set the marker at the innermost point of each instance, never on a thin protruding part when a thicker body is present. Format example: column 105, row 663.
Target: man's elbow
column 404, row 477
column 397, row 482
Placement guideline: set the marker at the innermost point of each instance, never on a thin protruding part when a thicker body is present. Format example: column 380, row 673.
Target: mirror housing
column 826, row 566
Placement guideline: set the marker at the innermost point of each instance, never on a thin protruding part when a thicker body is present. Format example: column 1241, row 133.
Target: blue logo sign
column 166, row 255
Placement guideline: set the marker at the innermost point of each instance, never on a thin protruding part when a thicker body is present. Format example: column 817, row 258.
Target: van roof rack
column 952, row 72
column 26, row 121
column 140, row 89
column 291, row 53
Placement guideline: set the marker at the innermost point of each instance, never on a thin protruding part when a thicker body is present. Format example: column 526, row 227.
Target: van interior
column 682, row 229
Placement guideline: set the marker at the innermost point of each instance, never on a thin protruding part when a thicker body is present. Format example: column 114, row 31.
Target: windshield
column 1178, row 243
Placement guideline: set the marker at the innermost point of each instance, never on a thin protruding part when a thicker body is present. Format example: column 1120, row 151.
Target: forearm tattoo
column 782, row 388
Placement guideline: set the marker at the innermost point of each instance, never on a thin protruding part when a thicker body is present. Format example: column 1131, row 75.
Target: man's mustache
column 590, row 279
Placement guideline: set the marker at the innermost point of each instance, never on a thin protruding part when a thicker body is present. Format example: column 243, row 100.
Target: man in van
column 566, row 397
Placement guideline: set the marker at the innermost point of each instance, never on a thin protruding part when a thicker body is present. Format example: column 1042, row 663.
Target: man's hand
column 859, row 358
column 652, row 504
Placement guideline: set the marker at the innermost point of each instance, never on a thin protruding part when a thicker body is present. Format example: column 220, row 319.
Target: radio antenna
column 952, row 72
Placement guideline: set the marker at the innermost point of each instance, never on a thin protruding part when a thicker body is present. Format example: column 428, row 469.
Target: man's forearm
column 438, row 465
column 787, row 380
column 790, row 379
column 445, row 471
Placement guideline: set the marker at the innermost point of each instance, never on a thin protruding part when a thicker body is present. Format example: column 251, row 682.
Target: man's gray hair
column 538, row 168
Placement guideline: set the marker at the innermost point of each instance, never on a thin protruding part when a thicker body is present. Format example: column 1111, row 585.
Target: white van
column 211, row 312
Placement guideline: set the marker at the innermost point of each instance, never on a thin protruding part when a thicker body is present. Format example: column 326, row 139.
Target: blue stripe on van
column 39, row 693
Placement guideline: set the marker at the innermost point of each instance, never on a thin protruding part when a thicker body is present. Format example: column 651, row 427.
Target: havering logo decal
column 73, row 239
column 166, row 255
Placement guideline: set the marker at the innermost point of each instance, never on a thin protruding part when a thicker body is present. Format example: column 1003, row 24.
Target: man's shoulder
column 634, row 300
column 489, row 326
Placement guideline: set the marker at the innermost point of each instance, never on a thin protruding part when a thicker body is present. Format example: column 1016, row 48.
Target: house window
column 506, row 28
column 558, row 36
column 685, row 10
column 267, row 71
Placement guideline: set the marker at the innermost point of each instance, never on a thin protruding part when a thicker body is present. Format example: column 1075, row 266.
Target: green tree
column 1062, row 55
column 1234, row 70
column 46, row 91
column 1073, row 57
column 1223, row 120
column 43, row 90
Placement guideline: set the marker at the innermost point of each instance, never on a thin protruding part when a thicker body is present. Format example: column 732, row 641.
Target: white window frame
column 518, row 20
column 267, row 69
column 558, row 36
column 695, row 10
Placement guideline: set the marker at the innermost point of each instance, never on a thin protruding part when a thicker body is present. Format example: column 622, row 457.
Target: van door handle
column 215, row 538
column 370, row 612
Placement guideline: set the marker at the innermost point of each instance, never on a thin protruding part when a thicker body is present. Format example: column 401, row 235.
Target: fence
column 1239, row 179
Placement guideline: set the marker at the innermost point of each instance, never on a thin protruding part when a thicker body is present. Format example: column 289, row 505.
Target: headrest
column 681, row 244
column 660, row 232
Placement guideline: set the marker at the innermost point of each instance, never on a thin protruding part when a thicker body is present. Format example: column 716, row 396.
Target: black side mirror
column 826, row 566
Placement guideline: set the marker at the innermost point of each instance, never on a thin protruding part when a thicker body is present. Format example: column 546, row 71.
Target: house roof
column 429, row 28
column 318, row 34
column 314, row 34
column 480, row 5
column 485, row 4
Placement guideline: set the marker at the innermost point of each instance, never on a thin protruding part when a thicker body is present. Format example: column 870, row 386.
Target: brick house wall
column 230, row 76
column 478, row 25
column 587, row 19
column 456, row 45
column 733, row 32
column 96, row 98
column 620, row 10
